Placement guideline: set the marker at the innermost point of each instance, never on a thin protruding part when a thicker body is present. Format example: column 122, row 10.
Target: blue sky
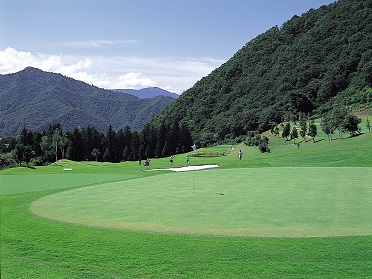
column 135, row 43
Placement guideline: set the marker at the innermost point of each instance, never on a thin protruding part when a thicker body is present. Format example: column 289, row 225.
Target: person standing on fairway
column 194, row 148
column 171, row 160
column 187, row 160
column 240, row 154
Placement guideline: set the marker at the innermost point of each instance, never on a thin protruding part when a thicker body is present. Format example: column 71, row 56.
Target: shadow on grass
column 356, row 135
column 29, row 167
column 319, row 140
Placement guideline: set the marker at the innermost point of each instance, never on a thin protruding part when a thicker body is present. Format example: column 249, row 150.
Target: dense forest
column 307, row 65
column 39, row 148
column 35, row 99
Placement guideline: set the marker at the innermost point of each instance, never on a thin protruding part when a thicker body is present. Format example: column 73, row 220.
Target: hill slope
column 307, row 64
column 35, row 99
column 149, row 92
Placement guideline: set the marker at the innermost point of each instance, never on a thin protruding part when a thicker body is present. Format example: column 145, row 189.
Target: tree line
column 337, row 119
column 35, row 148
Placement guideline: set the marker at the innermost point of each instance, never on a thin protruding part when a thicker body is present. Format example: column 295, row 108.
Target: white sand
column 191, row 168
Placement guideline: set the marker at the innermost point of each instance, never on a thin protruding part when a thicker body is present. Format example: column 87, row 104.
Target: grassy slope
column 33, row 247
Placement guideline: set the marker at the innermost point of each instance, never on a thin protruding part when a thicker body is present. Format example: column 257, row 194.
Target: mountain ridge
column 148, row 92
column 35, row 99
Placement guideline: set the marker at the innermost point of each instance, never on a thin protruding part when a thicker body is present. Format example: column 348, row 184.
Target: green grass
column 291, row 202
column 355, row 151
column 339, row 175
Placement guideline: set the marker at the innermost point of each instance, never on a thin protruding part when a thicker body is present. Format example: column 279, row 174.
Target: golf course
column 297, row 212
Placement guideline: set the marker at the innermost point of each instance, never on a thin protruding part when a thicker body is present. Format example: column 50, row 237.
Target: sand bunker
column 191, row 168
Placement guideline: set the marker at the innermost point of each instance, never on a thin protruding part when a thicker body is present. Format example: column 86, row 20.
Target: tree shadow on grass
column 356, row 135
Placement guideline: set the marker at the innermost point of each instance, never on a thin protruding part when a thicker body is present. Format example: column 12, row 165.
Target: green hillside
column 36, row 99
column 306, row 65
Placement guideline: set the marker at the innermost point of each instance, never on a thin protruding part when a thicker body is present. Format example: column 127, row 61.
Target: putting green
column 271, row 202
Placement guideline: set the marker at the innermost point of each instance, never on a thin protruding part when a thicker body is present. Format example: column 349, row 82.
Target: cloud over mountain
column 175, row 74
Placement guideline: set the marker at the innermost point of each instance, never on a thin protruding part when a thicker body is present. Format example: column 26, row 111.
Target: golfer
column 171, row 160
column 240, row 154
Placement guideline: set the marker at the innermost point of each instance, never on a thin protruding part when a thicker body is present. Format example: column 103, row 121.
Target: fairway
column 267, row 202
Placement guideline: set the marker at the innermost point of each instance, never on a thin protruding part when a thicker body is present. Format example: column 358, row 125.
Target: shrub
column 37, row 161
column 7, row 161
column 264, row 145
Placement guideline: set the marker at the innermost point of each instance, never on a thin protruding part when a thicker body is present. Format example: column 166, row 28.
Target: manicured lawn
column 290, row 202
column 33, row 247
column 323, row 187
column 15, row 184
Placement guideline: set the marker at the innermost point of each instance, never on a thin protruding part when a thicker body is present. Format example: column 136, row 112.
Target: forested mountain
column 306, row 65
column 35, row 99
column 149, row 92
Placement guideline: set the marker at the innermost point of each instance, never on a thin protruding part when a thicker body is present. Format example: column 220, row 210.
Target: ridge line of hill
column 35, row 99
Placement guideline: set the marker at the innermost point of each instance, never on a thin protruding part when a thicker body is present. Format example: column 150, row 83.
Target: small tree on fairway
column 303, row 126
column 95, row 153
column 339, row 113
column 351, row 124
column 368, row 125
column 264, row 145
column 294, row 134
column 312, row 130
column 286, row 130
column 328, row 125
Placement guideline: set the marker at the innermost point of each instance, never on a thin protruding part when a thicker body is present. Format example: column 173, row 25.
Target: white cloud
column 175, row 74
column 12, row 60
column 97, row 43
column 131, row 80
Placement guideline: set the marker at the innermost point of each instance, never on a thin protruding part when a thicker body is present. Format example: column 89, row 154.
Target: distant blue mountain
column 34, row 99
column 150, row 92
